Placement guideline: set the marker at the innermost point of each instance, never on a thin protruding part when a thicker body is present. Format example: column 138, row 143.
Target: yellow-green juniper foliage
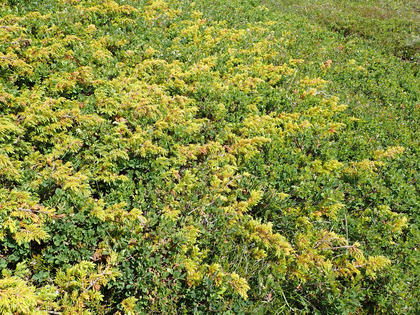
column 146, row 167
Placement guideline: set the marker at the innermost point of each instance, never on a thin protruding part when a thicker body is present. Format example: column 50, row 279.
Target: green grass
column 391, row 26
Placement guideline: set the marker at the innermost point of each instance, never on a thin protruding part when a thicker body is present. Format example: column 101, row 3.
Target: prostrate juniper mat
column 171, row 157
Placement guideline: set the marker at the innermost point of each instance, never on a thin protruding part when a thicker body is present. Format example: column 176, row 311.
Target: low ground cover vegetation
column 232, row 157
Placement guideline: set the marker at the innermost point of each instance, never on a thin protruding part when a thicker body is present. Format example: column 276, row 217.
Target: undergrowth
column 211, row 157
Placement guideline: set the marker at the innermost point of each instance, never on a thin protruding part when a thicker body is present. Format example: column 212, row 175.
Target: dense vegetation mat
column 172, row 157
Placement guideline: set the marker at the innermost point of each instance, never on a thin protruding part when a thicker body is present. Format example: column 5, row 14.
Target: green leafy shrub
column 159, row 159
